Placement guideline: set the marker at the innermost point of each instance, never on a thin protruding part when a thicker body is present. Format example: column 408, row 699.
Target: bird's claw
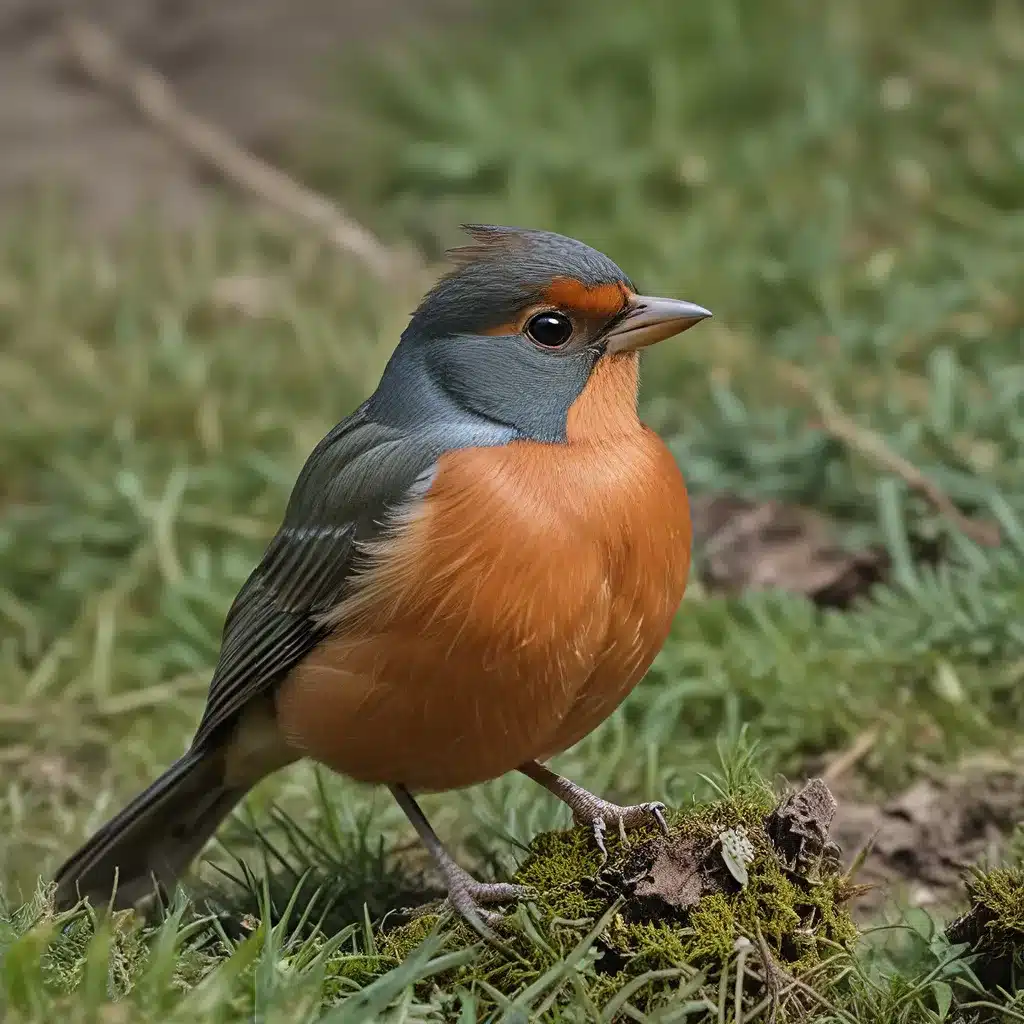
column 467, row 897
column 599, row 814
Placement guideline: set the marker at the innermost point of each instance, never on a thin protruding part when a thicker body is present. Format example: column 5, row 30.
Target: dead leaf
column 748, row 545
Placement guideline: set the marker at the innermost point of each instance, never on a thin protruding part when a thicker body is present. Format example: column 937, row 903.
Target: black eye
column 549, row 329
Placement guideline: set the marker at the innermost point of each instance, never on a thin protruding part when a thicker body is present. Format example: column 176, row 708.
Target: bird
column 474, row 569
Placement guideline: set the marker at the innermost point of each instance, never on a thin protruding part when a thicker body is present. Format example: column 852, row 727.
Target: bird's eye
column 549, row 329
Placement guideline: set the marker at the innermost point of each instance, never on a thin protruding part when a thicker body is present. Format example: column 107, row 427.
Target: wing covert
column 355, row 476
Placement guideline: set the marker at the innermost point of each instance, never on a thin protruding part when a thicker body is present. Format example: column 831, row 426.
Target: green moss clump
column 679, row 908
column 358, row 970
column 1001, row 892
column 993, row 926
column 399, row 943
column 557, row 862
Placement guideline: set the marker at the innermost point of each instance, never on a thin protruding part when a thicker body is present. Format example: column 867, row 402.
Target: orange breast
column 511, row 612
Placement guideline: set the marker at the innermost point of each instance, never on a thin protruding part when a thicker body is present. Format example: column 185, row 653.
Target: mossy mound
column 744, row 886
column 993, row 926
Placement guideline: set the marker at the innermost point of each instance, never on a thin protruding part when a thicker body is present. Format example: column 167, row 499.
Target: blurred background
column 841, row 182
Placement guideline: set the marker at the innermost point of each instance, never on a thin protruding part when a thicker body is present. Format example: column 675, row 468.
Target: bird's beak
column 650, row 320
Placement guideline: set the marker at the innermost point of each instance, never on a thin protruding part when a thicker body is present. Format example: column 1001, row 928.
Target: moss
column 507, row 974
column 713, row 921
column 400, row 942
column 649, row 946
column 65, row 961
column 1001, row 892
column 360, row 970
column 746, row 807
column 829, row 898
column 769, row 900
column 801, row 916
column 993, row 926
column 554, row 868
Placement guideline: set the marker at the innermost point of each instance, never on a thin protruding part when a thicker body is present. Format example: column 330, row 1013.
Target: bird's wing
column 354, row 477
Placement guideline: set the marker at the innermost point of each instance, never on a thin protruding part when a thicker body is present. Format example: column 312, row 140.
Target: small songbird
column 474, row 569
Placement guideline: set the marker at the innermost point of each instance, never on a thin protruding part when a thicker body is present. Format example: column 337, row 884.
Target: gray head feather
column 446, row 380
column 500, row 272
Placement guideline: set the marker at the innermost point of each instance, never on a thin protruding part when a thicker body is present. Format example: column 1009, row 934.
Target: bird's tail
column 155, row 837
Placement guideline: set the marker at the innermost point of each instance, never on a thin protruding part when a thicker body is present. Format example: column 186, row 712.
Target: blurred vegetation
column 843, row 184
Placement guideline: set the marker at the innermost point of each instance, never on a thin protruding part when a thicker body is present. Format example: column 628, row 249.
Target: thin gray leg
column 465, row 893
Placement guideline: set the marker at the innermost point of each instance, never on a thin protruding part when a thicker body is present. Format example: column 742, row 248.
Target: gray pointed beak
column 652, row 320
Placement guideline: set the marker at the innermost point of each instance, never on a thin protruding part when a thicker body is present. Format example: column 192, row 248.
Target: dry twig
column 870, row 445
column 107, row 65
column 776, row 980
column 846, row 759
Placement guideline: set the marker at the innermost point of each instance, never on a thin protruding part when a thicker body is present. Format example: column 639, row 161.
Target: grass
column 842, row 186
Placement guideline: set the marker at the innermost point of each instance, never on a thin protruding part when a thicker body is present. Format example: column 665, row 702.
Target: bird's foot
column 593, row 812
column 467, row 897
column 597, row 814
column 465, row 893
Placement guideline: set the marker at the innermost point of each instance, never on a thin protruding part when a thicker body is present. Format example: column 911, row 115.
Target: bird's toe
column 467, row 897
column 605, row 813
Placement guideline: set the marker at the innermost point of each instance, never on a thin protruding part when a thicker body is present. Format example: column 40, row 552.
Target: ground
column 843, row 190
column 253, row 68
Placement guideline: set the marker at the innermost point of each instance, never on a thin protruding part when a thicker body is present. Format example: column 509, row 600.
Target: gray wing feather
column 358, row 472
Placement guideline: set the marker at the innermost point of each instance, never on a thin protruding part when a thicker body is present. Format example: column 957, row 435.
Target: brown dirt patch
column 923, row 840
column 253, row 67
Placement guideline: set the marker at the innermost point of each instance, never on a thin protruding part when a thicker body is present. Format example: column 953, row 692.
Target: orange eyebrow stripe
column 603, row 300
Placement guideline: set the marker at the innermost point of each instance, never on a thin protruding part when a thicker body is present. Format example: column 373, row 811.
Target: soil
column 253, row 67
column 920, row 844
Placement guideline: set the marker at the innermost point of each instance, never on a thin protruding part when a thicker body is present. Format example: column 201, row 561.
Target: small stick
column 775, row 978
column 847, row 758
column 107, row 65
column 869, row 444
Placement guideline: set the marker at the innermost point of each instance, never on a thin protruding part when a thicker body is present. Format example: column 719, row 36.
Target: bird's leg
column 590, row 810
column 465, row 893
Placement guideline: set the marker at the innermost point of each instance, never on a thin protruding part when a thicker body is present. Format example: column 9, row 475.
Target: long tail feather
column 154, row 838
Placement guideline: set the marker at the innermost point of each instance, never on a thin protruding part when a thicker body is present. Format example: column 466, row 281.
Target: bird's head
column 515, row 331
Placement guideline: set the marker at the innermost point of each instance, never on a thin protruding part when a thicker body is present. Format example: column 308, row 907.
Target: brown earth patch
column 921, row 843
column 252, row 67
